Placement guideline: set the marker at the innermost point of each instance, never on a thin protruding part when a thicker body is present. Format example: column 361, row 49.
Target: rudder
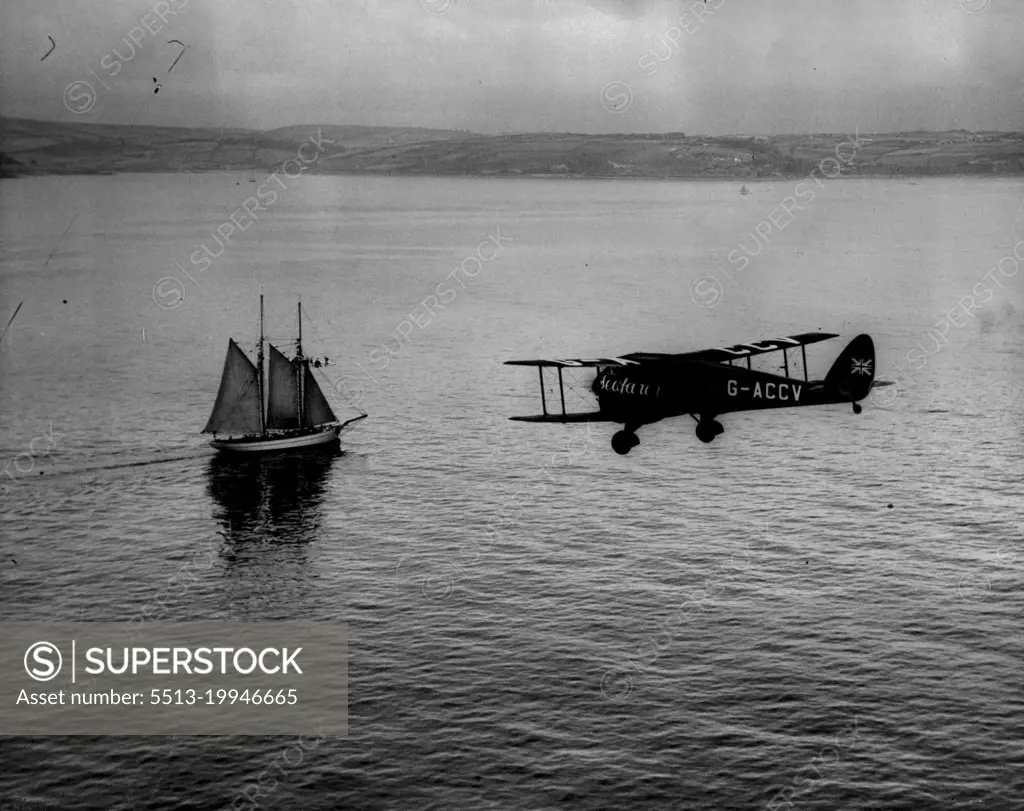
column 853, row 372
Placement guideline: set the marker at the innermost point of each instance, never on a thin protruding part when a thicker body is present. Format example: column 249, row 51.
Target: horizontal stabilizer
column 593, row 416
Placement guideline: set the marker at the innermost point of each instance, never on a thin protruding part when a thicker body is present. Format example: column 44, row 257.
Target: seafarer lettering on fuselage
column 772, row 391
column 623, row 386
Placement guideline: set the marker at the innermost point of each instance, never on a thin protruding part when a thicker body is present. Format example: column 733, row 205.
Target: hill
column 30, row 147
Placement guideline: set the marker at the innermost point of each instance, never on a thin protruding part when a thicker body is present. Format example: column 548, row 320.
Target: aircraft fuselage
column 639, row 396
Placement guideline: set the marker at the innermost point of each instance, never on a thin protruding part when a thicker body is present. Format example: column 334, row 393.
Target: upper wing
column 722, row 355
column 576, row 362
column 728, row 353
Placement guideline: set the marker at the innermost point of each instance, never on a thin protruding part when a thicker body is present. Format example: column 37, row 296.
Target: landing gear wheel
column 707, row 430
column 624, row 441
column 857, row 408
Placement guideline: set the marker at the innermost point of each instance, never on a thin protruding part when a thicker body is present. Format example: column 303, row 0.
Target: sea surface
column 817, row 600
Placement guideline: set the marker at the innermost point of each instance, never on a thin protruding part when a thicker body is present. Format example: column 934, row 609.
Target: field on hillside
column 45, row 147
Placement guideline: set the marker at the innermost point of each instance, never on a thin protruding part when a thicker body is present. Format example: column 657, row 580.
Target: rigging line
column 312, row 322
column 320, row 344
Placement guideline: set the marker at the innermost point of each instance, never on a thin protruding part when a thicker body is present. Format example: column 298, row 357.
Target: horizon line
column 681, row 133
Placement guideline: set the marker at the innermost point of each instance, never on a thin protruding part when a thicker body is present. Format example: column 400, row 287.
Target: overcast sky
column 755, row 66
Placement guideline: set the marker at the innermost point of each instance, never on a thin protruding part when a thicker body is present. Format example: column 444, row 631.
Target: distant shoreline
column 32, row 148
column 512, row 176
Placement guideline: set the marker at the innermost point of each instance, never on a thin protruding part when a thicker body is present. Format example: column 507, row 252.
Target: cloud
column 626, row 9
column 499, row 65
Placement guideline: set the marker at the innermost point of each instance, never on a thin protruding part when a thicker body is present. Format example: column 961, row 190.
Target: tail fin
column 853, row 372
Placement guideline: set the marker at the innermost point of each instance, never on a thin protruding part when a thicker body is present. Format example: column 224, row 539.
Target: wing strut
column 785, row 362
column 543, row 400
column 561, row 391
column 803, row 351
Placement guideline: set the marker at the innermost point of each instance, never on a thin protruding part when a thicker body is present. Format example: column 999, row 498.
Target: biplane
column 645, row 387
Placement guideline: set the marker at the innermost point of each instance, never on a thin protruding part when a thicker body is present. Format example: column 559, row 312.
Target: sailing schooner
column 294, row 414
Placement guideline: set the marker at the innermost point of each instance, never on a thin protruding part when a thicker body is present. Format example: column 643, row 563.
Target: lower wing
column 593, row 416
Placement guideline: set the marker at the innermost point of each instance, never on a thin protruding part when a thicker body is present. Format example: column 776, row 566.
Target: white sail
column 317, row 409
column 237, row 410
column 282, row 391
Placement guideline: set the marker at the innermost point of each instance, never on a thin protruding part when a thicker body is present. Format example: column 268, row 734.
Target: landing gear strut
column 624, row 441
column 708, row 429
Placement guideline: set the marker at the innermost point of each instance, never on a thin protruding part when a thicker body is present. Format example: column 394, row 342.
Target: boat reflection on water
column 276, row 498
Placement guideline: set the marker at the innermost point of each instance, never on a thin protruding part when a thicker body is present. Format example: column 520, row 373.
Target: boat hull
column 252, row 445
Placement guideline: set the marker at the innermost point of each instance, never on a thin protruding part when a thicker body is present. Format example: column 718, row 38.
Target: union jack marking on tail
column 861, row 367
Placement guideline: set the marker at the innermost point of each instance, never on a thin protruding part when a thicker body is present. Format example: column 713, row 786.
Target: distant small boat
column 744, row 190
column 293, row 415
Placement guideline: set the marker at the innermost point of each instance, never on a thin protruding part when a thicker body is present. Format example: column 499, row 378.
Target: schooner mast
column 259, row 369
column 301, row 370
